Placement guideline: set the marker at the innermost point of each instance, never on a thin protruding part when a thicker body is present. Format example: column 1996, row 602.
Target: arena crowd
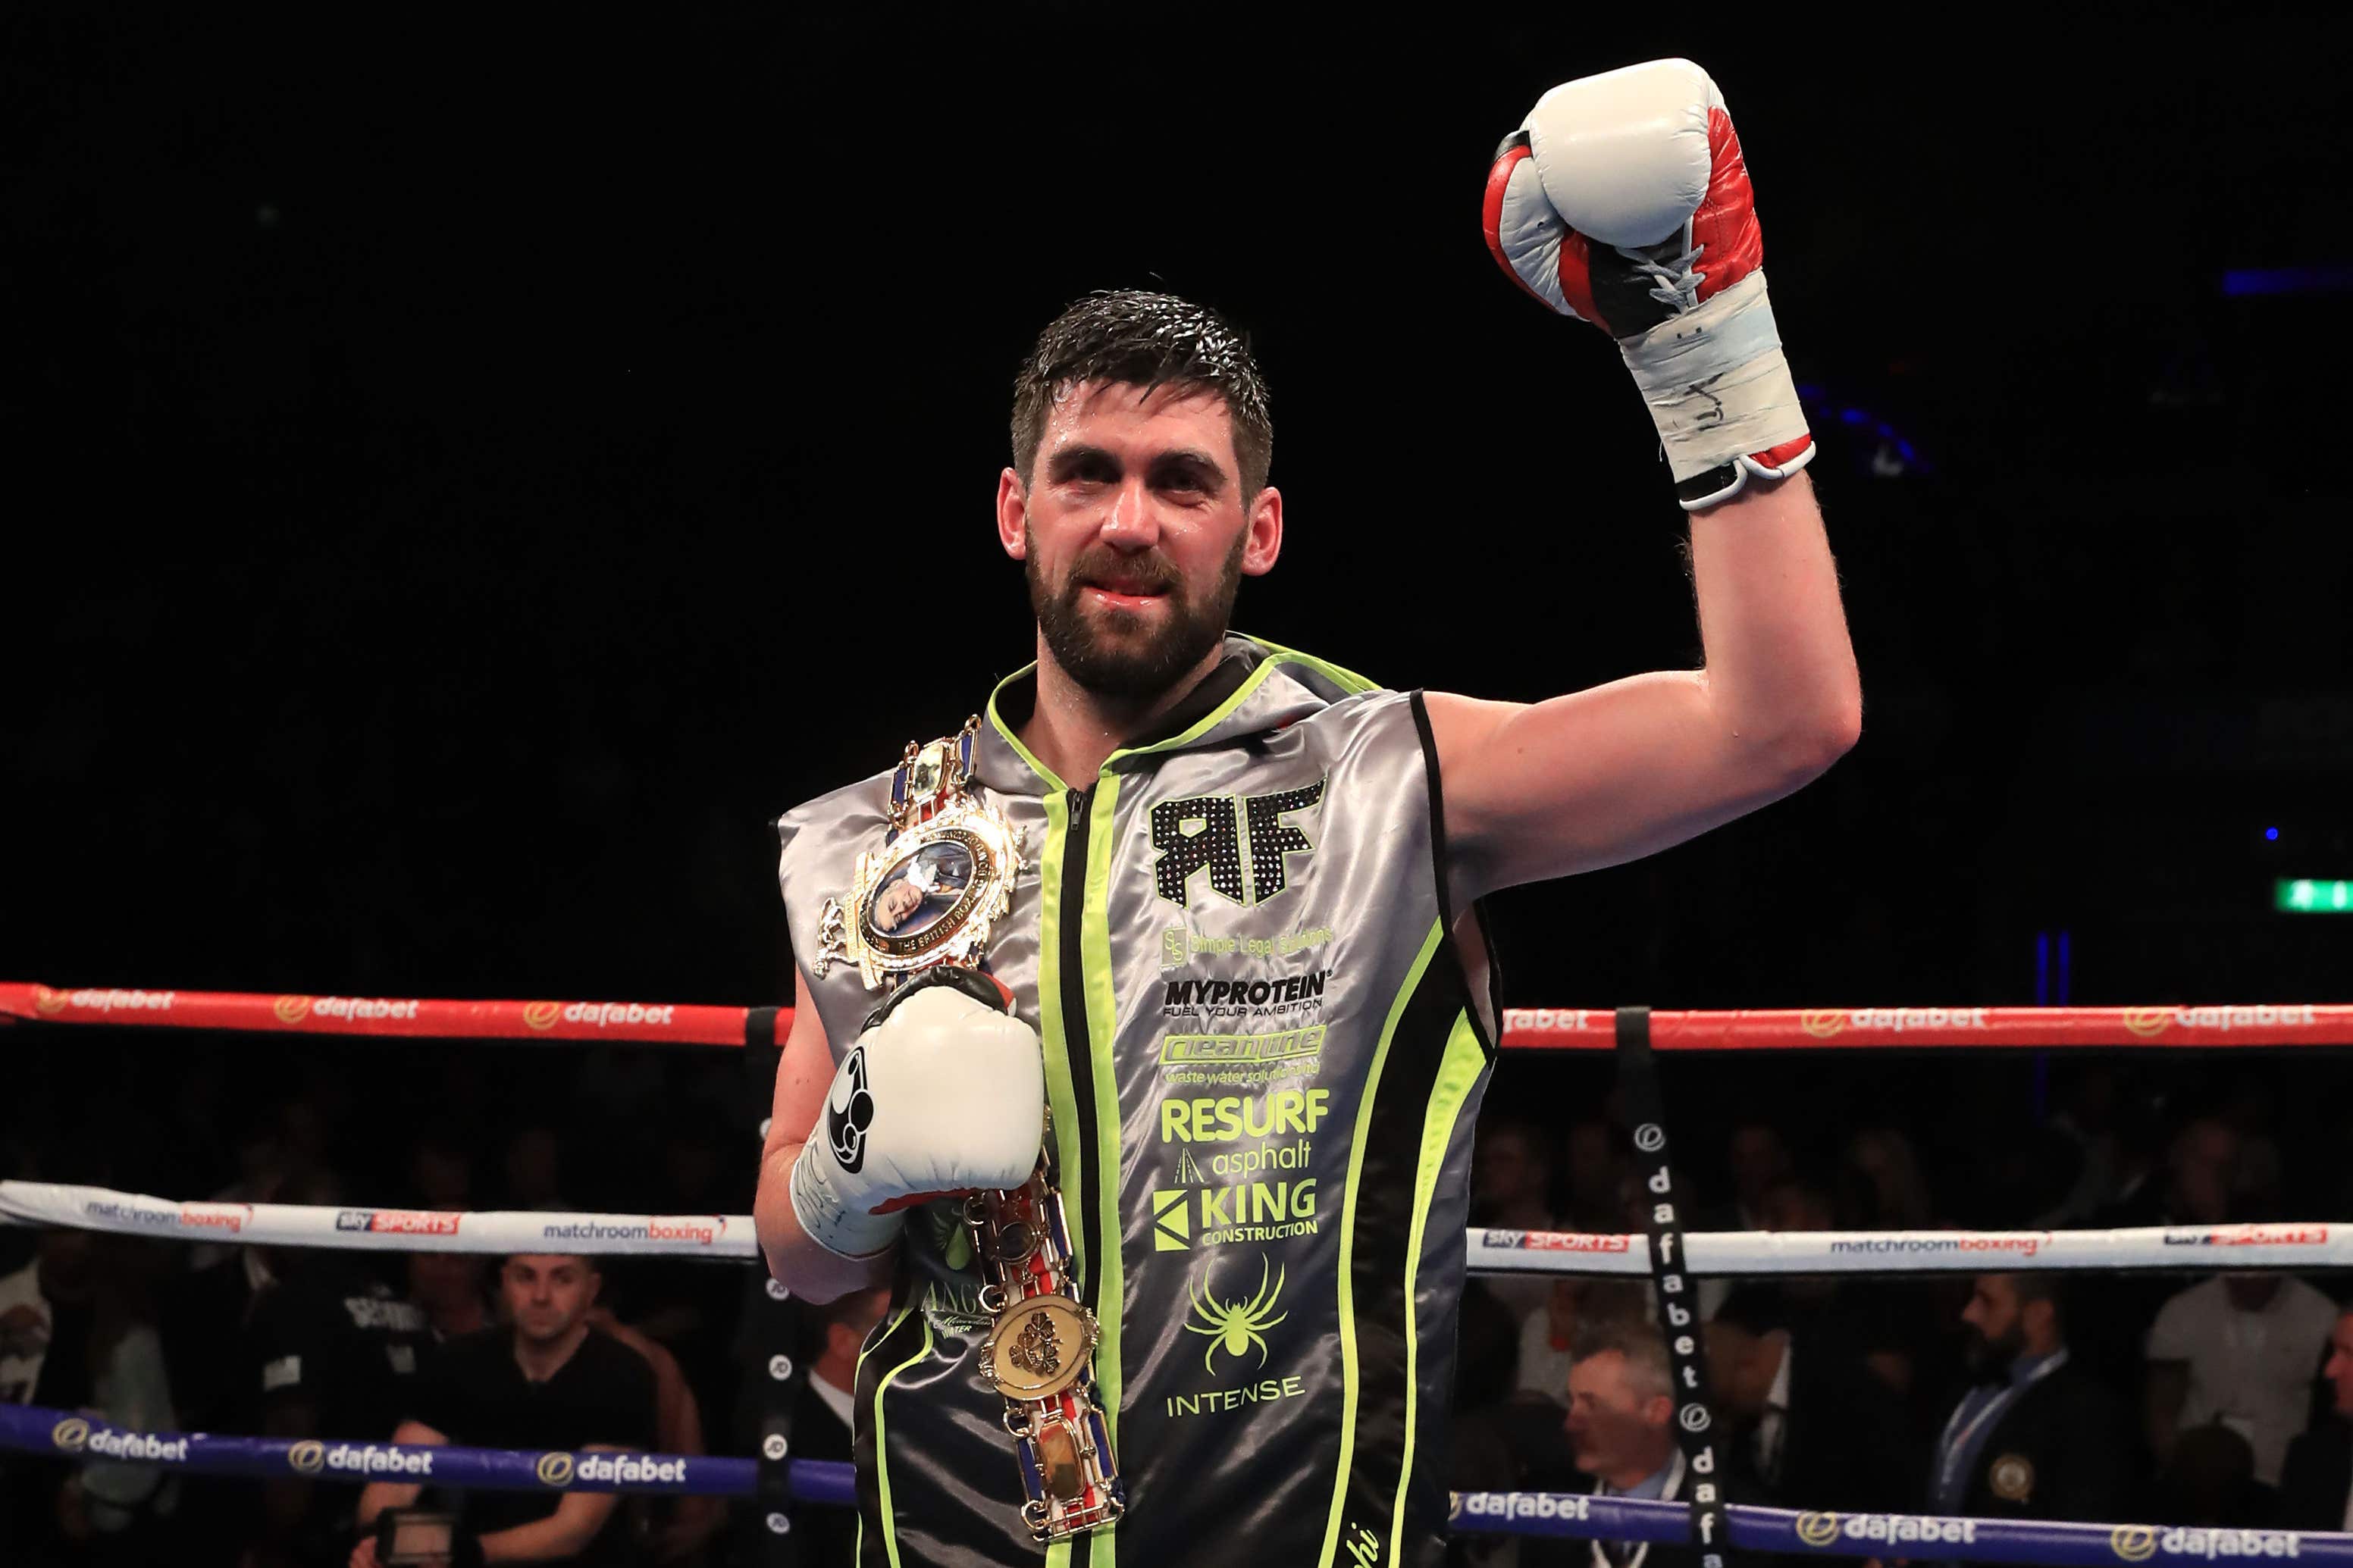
column 2216, row 1399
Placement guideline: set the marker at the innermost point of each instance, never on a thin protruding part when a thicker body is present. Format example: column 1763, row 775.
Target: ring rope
column 1524, row 1028
column 64, row 1434
column 2181, row 1249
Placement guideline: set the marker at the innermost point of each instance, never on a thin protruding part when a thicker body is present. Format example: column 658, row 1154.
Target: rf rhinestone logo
column 555, row 1469
column 1242, row 841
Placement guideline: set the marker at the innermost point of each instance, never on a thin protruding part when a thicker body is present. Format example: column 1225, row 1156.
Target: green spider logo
column 1234, row 1326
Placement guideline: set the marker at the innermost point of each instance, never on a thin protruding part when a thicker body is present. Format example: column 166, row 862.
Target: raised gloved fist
column 943, row 1093
column 1623, row 200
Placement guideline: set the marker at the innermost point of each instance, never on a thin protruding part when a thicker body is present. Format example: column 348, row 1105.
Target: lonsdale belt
column 930, row 896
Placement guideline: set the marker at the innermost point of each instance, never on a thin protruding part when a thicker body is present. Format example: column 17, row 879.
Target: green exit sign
column 2305, row 896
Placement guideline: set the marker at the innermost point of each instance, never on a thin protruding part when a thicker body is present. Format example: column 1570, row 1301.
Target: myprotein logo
column 1244, row 995
column 1243, row 842
column 397, row 1222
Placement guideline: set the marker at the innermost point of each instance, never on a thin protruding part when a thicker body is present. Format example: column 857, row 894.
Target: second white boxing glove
column 943, row 1093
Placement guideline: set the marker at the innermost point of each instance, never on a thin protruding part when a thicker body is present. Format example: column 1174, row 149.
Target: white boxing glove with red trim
column 943, row 1093
column 1623, row 200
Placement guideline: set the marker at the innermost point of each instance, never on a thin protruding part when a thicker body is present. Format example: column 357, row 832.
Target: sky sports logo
column 397, row 1222
column 1554, row 1241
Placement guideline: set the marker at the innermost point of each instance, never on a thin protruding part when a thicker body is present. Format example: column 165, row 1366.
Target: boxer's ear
column 1012, row 515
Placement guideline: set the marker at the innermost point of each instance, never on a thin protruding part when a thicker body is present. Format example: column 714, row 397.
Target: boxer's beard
column 1989, row 1359
column 1121, row 668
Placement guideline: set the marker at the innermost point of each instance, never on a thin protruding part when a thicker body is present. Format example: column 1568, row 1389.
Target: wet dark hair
column 1149, row 340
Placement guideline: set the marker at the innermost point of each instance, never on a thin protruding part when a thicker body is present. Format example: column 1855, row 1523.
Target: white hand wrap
column 1715, row 380
column 946, row 1094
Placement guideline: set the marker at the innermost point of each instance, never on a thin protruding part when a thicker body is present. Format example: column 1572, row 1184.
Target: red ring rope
column 1532, row 1028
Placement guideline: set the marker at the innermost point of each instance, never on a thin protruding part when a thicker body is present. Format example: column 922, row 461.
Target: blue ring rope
column 62, row 1434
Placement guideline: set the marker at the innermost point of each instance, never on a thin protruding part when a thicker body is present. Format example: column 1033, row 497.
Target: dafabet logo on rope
column 2139, row 1542
column 1823, row 1530
column 604, row 1015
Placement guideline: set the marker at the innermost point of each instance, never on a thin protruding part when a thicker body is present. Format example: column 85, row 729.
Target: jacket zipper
column 1079, row 1048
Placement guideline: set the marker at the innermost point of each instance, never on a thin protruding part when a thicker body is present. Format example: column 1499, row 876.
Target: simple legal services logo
column 542, row 1015
column 555, row 1469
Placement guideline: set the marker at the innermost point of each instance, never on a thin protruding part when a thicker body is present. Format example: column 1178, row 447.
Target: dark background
column 449, row 457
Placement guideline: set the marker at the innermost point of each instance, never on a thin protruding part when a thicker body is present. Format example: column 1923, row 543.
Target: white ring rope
column 2188, row 1248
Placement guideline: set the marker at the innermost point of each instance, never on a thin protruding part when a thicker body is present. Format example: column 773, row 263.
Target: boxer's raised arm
column 804, row 1069
column 1623, row 200
column 1624, row 770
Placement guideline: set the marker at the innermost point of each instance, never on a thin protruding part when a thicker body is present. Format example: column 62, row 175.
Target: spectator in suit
column 822, row 1415
column 1811, row 1426
column 1621, row 1425
column 2034, row 1437
column 2238, row 1350
column 2316, row 1482
column 1853, row 1312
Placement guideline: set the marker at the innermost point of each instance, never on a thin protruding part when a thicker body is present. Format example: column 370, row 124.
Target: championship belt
column 930, row 896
